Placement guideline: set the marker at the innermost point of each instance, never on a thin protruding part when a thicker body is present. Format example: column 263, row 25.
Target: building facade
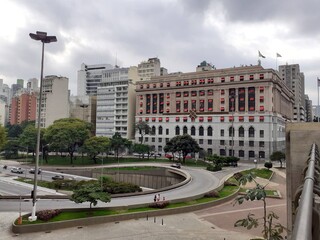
column 89, row 77
column 294, row 79
column 116, row 102
column 150, row 68
column 23, row 108
column 308, row 107
column 55, row 100
column 240, row 111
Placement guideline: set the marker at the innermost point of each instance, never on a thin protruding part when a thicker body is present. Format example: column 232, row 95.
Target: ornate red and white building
column 210, row 105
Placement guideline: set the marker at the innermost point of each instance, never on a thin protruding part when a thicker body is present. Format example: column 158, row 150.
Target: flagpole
column 318, row 99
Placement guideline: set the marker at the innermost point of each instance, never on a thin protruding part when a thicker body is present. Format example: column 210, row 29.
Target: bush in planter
column 237, row 176
column 161, row 204
column 46, row 215
column 214, row 168
column 268, row 165
column 212, row 194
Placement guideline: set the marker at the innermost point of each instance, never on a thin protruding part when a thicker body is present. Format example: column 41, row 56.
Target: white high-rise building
column 89, row 77
column 150, row 68
column 55, row 100
column 33, row 85
column 294, row 79
column 116, row 102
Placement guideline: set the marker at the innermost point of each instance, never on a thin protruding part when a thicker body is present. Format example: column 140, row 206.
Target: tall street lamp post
column 39, row 36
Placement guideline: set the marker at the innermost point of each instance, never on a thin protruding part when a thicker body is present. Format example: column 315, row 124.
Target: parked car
column 176, row 165
column 58, row 177
column 32, row 170
column 17, row 170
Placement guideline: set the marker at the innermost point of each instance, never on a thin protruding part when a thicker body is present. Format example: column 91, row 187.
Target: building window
column 200, row 141
column 251, row 143
column 261, row 133
column 261, row 118
column 193, row 93
column 231, row 131
column 262, row 154
column 241, row 132
column 185, row 130
column 177, row 130
column 241, row 78
column 251, row 132
column 221, row 119
column 222, row 152
column 222, row 142
column 209, row 141
column 153, row 139
column 153, row 130
column 159, row 140
column 160, row 130
column 209, row 131
column 146, row 139
column 209, row 151
column 261, row 144
column 178, row 94
column 167, row 131
column 193, row 131
column 186, row 94
column 241, row 143
column 222, row 132
column 241, row 153
column 251, row 154
column 261, row 76
column 231, row 142
column 251, row 77
column 223, row 79
column 201, row 131
column 210, row 92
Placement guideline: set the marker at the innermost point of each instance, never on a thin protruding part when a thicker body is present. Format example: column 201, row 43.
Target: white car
column 17, row 170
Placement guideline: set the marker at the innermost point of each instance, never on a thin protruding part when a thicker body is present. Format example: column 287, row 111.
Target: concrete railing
column 304, row 227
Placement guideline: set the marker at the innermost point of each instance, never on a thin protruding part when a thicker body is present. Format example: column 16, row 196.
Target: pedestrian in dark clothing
column 155, row 198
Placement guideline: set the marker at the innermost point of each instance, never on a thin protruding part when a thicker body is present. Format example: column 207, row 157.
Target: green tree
column 118, row 144
column 183, row 145
column 278, row 156
column 271, row 230
column 14, row 131
column 67, row 134
column 95, row 146
column 28, row 139
column 142, row 128
column 3, row 136
column 141, row 149
column 90, row 193
column 11, row 148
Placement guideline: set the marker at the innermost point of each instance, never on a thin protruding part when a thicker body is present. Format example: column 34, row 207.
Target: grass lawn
column 269, row 192
column 259, row 172
column 226, row 191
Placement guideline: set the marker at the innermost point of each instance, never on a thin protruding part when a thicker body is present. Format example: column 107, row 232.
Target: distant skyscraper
column 20, row 82
column 33, row 85
column 55, row 101
column 150, row 68
column 89, row 77
column 294, row 79
column 308, row 107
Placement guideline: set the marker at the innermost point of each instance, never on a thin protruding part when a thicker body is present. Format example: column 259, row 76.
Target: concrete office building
column 294, row 79
column 150, row 68
column 55, row 100
column 89, row 77
column 240, row 111
column 33, row 85
column 3, row 113
column 116, row 102
column 308, row 108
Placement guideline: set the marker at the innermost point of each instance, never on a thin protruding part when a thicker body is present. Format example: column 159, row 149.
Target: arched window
column 185, row 130
column 231, row 131
column 201, row 131
column 193, row 131
column 209, row 131
column 241, row 132
column 153, row 130
column 177, row 130
column 251, row 154
column 251, row 132
column 160, row 130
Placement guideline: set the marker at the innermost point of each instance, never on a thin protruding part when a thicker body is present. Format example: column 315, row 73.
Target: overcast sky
column 181, row 33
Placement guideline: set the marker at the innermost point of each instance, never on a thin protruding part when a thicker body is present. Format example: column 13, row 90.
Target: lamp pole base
column 33, row 216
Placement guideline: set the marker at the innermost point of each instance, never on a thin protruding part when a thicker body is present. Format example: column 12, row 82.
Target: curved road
column 202, row 181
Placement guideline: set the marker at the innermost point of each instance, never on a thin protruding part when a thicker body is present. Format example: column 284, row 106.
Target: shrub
column 161, row 204
column 268, row 165
column 214, row 168
column 120, row 187
column 237, row 176
column 212, row 194
column 228, row 183
column 46, row 215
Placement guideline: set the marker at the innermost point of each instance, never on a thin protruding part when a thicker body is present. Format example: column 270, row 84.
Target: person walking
column 155, row 198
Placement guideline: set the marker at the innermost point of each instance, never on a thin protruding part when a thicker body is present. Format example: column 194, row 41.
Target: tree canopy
column 278, row 156
column 67, row 134
column 95, row 146
column 183, row 145
column 118, row 144
column 142, row 128
column 90, row 193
